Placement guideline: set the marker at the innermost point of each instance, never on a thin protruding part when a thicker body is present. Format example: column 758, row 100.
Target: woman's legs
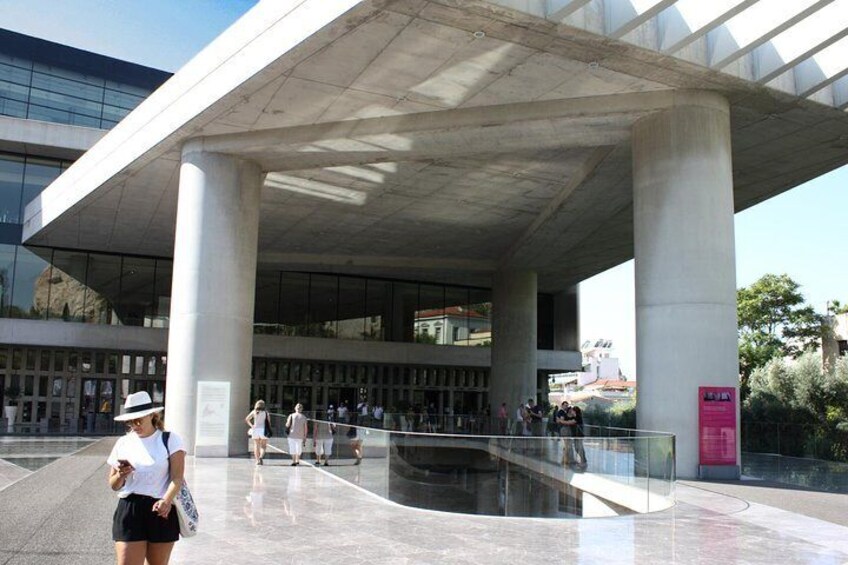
column 159, row 553
column 257, row 450
column 130, row 552
column 263, row 447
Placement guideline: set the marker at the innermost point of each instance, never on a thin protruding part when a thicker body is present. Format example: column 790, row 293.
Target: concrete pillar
column 513, row 376
column 211, row 323
column 567, row 320
column 685, row 268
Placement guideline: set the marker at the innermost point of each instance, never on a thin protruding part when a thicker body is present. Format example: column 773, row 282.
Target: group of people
column 564, row 421
column 297, row 432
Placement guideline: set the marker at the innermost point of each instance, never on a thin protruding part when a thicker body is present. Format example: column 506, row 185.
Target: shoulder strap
column 165, row 437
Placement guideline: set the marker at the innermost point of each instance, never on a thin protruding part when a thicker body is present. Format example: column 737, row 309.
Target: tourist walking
column 296, row 424
column 322, row 440
column 147, row 480
column 259, row 422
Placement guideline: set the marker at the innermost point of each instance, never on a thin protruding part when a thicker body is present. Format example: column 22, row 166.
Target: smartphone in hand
column 123, row 464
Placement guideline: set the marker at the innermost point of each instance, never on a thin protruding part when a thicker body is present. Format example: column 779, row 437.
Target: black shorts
column 135, row 520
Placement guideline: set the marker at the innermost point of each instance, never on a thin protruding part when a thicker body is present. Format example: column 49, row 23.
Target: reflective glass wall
column 74, row 286
column 22, row 179
column 356, row 308
column 40, row 80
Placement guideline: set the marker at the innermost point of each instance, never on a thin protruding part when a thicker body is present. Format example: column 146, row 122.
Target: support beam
column 810, row 78
column 685, row 269
column 576, row 122
column 212, row 296
column 621, row 16
column 768, row 66
column 558, row 10
column 514, row 335
column 676, row 36
column 723, row 49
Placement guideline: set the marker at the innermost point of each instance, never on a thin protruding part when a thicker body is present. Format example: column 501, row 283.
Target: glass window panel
column 351, row 324
column 139, row 365
column 114, row 114
column 14, row 91
column 85, row 361
column 162, row 292
column 11, row 185
column 70, row 390
column 456, row 315
column 404, row 306
column 17, row 356
column 294, row 301
column 323, row 305
column 4, row 358
column 136, row 304
column 67, row 286
column 57, row 386
column 480, row 317
column 73, row 361
column 31, row 289
column 37, row 175
column 30, row 359
column 11, row 107
column 104, row 285
column 113, row 363
column 42, row 386
column 123, row 100
column 44, row 363
column 61, row 79
column 18, row 72
column 430, row 314
column 378, row 309
column 266, row 312
column 7, row 269
column 126, row 362
column 29, row 385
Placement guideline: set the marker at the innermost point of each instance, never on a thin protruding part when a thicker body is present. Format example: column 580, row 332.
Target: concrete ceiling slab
column 425, row 139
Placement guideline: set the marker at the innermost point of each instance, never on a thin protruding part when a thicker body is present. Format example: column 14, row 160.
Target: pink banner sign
column 717, row 425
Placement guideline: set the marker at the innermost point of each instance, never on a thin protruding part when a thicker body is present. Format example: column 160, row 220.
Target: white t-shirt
column 149, row 458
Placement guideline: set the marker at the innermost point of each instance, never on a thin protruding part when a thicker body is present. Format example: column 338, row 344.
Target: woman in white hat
column 147, row 480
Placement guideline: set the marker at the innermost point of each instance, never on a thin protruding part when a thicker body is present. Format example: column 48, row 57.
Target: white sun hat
column 138, row 404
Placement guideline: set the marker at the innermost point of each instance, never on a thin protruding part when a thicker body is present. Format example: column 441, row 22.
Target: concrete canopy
column 429, row 139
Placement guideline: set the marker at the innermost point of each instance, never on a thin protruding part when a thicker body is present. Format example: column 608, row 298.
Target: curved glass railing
column 611, row 472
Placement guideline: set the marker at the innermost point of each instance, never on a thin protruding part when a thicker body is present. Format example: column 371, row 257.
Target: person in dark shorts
column 145, row 525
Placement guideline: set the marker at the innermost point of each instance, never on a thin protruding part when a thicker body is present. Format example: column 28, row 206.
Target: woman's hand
column 162, row 507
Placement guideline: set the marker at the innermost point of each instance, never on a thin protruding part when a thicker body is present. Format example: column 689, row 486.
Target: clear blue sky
column 803, row 232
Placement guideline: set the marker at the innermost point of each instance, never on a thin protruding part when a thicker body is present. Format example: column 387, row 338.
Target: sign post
column 717, row 431
column 213, row 421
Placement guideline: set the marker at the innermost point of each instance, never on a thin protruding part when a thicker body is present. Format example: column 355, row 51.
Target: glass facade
column 42, row 92
column 22, row 179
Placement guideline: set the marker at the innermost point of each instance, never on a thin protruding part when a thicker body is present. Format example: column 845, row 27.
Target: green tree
column 835, row 307
column 774, row 321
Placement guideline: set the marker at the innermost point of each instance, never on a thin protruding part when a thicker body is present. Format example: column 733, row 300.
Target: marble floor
column 282, row 514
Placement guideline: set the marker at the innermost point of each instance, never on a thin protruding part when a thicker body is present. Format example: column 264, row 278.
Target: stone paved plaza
column 283, row 514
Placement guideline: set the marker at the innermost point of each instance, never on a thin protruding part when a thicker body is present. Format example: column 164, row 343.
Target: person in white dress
column 258, row 419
